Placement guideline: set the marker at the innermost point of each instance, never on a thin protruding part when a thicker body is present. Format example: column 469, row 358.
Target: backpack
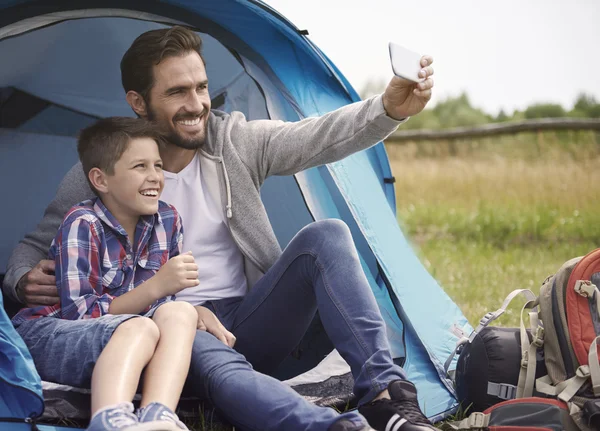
column 488, row 368
column 570, row 311
column 526, row 414
column 565, row 324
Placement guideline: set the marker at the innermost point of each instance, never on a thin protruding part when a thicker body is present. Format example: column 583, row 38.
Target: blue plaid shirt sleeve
column 79, row 271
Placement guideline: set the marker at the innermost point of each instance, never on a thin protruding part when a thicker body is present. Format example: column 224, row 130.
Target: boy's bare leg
column 166, row 373
column 119, row 367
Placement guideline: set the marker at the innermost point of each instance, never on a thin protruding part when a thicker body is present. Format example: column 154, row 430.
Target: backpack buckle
column 503, row 391
column 525, row 359
column 583, row 372
column 486, row 319
column 477, row 420
column 585, row 288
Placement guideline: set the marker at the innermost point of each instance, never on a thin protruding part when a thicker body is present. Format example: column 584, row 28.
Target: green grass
column 478, row 275
column 497, row 218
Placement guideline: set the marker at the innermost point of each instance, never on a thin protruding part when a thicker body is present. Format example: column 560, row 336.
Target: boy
column 118, row 267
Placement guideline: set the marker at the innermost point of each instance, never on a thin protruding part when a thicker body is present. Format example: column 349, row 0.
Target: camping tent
column 60, row 71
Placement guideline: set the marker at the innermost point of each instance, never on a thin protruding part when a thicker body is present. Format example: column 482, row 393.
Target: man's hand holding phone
column 409, row 91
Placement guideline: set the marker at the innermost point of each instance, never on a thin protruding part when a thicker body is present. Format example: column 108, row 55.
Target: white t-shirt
column 206, row 234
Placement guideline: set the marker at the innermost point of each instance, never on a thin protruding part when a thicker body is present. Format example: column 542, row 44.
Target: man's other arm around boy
column 115, row 317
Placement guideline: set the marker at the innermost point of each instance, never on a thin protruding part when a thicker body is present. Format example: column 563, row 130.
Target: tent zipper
column 27, row 420
column 31, row 419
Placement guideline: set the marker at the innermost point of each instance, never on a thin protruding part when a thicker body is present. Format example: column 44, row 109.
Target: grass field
column 492, row 216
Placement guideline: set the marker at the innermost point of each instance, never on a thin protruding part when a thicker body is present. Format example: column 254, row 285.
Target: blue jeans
column 318, row 270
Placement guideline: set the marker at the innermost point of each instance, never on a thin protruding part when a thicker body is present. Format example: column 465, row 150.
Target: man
column 252, row 294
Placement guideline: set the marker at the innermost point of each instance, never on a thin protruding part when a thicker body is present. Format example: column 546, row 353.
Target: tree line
column 458, row 111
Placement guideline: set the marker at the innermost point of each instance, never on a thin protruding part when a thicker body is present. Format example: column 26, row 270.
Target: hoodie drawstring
column 228, row 189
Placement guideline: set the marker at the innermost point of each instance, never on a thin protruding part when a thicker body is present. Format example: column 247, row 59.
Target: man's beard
column 174, row 138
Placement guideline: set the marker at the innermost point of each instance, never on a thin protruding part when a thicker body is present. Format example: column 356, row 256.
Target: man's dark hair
column 149, row 49
column 102, row 144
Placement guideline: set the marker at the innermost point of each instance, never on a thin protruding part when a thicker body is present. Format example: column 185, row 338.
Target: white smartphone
column 405, row 63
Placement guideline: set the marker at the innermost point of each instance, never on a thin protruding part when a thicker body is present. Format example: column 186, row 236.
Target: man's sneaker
column 120, row 417
column 160, row 412
column 348, row 425
column 401, row 413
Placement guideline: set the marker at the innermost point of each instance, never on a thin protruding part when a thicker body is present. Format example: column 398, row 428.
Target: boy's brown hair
column 102, row 144
column 149, row 49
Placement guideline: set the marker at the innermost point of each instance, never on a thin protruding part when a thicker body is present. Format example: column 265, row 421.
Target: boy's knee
column 139, row 327
column 177, row 312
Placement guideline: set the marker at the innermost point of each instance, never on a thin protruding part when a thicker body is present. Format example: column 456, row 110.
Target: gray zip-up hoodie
column 236, row 159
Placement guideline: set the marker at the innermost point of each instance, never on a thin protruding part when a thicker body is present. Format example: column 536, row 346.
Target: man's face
column 137, row 182
column 179, row 102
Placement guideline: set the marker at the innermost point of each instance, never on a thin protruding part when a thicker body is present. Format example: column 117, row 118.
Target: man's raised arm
column 29, row 276
column 278, row 148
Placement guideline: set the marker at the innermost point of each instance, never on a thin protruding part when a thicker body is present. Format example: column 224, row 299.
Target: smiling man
column 254, row 301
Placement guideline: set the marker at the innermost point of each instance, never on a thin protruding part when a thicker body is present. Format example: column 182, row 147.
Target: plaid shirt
column 95, row 261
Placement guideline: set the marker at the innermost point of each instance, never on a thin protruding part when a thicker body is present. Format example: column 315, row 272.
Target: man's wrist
column 389, row 113
column 19, row 289
column 15, row 289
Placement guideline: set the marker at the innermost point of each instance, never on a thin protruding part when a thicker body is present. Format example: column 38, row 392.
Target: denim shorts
column 65, row 351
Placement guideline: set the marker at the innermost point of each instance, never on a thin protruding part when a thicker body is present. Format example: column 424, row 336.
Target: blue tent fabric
column 20, row 384
column 258, row 63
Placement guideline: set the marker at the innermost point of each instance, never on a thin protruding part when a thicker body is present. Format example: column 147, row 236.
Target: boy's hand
column 207, row 321
column 38, row 286
column 179, row 273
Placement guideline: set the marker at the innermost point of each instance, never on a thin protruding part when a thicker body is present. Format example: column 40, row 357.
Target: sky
column 505, row 54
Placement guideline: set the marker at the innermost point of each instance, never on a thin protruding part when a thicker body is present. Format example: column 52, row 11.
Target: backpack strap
column 485, row 321
column 504, row 391
column 491, row 316
column 459, row 344
column 566, row 390
column 594, row 367
column 526, row 380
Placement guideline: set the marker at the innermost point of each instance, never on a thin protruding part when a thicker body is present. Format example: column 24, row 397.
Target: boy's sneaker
column 348, row 425
column 160, row 412
column 120, row 417
column 401, row 413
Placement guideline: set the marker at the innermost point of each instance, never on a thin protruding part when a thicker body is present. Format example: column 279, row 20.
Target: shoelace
column 119, row 419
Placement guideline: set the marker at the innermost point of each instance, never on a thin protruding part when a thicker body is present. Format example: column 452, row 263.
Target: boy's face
column 134, row 188
column 179, row 101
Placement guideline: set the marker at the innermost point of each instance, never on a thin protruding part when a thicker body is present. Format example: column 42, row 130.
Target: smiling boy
column 118, row 267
